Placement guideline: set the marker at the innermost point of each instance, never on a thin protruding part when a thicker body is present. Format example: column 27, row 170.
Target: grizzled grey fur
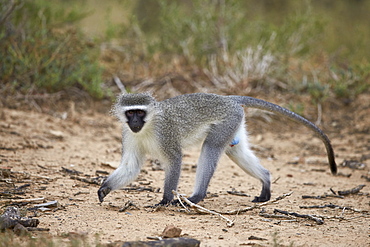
column 176, row 123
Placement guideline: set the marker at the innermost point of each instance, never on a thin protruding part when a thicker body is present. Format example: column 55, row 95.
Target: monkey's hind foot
column 265, row 193
column 260, row 199
column 264, row 197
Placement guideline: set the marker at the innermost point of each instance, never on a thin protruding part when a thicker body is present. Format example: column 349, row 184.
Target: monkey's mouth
column 135, row 129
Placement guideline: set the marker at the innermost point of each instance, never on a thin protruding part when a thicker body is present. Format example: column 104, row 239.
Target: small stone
column 171, row 231
column 56, row 134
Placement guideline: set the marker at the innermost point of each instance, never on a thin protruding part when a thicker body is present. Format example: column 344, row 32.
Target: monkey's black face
column 135, row 119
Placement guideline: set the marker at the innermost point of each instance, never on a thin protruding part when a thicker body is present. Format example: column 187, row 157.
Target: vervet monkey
column 163, row 128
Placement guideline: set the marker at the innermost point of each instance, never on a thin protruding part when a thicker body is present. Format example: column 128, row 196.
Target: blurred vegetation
column 43, row 53
column 250, row 46
column 317, row 48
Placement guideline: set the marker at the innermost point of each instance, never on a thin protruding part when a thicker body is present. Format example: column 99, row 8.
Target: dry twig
column 237, row 193
column 307, row 216
column 335, row 206
column 275, row 216
column 351, row 191
column 28, row 200
column 201, row 209
column 127, row 205
column 95, row 180
column 321, row 197
column 119, row 84
column 258, row 205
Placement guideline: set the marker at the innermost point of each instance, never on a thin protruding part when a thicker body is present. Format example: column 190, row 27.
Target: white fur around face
column 119, row 111
column 144, row 142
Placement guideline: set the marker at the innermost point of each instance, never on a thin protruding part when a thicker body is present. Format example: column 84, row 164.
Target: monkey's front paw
column 177, row 203
column 164, row 202
column 196, row 198
column 103, row 192
column 192, row 199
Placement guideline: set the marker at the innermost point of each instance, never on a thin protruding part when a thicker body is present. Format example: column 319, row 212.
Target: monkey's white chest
column 144, row 143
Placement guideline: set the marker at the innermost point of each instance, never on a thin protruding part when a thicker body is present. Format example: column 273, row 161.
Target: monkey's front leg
column 170, row 183
column 128, row 170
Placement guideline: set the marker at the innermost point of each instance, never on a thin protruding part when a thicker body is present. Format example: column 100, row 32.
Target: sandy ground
column 35, row 147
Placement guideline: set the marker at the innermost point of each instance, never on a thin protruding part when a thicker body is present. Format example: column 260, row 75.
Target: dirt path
column 37, row 146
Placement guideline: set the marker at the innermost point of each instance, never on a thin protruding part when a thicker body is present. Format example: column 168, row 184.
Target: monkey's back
column 197, row 112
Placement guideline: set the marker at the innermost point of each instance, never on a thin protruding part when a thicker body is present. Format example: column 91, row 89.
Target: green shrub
column 349, row 82
column 42, row 52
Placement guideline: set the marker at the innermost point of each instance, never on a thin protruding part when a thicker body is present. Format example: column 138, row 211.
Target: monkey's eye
column 130, row 113
column 140, row 113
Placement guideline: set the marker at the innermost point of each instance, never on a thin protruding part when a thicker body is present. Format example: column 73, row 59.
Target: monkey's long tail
column 267, row 106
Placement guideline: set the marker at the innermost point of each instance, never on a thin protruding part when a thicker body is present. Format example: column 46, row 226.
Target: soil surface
column 64, row 156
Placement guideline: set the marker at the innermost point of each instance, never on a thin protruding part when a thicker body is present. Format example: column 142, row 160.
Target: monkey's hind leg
column 217, row 139
column 207, row 163
column 244, row 157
